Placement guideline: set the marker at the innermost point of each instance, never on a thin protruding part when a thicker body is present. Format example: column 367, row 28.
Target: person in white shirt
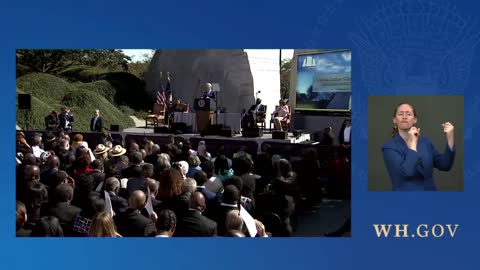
column 345, row 132
column 344, row 137
column 36, row 146
column 281, row 113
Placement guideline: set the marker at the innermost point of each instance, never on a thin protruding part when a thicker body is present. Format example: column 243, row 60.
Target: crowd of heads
column 65, row 187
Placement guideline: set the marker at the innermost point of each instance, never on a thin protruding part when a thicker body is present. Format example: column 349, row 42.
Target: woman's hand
column 260, row 228
column 413, row 135
column 449, row 134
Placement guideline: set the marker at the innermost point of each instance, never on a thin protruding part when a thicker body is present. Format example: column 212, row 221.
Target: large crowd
column 66, row 187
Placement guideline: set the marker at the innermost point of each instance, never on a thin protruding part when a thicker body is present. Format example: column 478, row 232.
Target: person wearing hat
column 118, row 150
column 101, row 152
column 96, row 123
column 50, row 141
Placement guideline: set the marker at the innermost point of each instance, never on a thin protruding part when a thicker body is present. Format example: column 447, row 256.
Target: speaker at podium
column 204, row 104
column 204, row 108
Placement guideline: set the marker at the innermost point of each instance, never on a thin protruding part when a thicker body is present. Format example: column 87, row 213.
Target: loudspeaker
column 115, row 128
column 213, row 130
column 297, row 133
column 179, row 127
column 24, row 101
column 279, row 135
column 226, row 132
column 317, row 136
column 161, row 130
column 252, row 132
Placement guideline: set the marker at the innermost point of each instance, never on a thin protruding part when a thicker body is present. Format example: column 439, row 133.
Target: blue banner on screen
column 324, row 81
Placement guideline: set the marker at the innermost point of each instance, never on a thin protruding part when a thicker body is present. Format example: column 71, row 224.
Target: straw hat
column 118, row 150
column 100, row 149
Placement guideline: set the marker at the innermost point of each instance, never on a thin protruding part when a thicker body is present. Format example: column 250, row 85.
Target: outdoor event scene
column 183, row 143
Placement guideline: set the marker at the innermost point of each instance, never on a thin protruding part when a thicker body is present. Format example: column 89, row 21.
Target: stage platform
column 267, row 137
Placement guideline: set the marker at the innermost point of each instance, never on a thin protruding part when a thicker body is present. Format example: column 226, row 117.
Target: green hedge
column 47, row 88
column 51, row 93
column 102, row 87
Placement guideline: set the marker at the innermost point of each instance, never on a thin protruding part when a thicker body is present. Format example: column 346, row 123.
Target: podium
column 204, row 108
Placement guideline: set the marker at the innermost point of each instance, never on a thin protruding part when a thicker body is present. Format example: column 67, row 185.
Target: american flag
column 161, row 98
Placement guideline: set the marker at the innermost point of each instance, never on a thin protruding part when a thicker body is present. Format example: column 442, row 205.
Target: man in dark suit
column 193, row 222
column 255, row 110
column 211, row 198
column 66, row 119
column 65, row 212
column 53, row 164
column 136, row 181
column 97, row 173
column 96, row 123
column 135, row 167
column 153, row 186
column 112, row 186
column 132, row 223
column 230, row 201
column 209, row 93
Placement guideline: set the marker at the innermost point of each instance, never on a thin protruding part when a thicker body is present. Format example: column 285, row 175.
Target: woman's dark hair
column 395, row 129
column 207, row 167
column 37, row 194
column 171, row 182
column 82, row 162
column 47, row 226
column 242, row 165
column 221, row 164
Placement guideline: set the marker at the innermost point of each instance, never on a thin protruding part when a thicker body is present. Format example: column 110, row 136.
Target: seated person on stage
column 281, row 113
column 51, row 121
column 178, row 107
column 256, row 109
column 209, row 93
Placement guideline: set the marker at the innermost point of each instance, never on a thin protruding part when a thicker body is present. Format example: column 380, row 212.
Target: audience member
column 103, row 226
column 166, row 223
column 193, row 223
column 132, row 222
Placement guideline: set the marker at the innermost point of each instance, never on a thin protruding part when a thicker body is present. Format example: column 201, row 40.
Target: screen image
column 324, row 81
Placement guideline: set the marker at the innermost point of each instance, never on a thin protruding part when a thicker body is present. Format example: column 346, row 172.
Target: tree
column 44, row 61
column 285, row 69
column 138, row 68
column 54, row 61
